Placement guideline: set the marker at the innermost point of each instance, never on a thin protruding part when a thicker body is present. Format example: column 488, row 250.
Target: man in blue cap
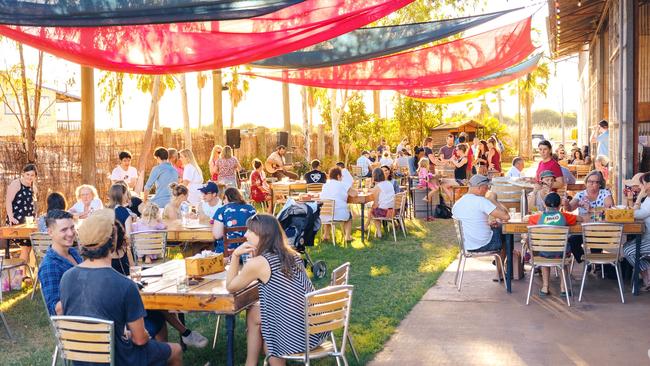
column 210, row 201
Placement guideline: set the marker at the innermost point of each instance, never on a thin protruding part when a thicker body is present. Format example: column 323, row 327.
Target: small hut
column 471, row 128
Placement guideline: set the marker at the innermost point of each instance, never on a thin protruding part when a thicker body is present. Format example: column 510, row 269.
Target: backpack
column 442, row 211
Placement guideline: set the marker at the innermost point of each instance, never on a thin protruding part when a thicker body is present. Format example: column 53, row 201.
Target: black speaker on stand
column 282, row 139
column 233, row 138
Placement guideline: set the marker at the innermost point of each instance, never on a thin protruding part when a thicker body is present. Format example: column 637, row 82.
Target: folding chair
column 327, row 217
column 552, row 241
column 149, row 243
column 84, row 339
column 341, row 276
column 326, row 310
column 608, row 238
column 465, row 254
column 2, row 314
column 398, row 216
column 280, row 194
column 41, row 242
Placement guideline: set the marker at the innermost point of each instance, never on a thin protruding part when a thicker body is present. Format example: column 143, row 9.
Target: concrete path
column 483, row 325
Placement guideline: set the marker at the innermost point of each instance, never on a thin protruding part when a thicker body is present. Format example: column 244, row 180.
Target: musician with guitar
column 276, row 166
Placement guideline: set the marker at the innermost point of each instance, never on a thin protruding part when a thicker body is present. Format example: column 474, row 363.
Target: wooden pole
column 286, row 111
column 305, row 122
column 217, row 107
column 148, row 135
column 87, row 133
column 376, row 103
column 187, row 131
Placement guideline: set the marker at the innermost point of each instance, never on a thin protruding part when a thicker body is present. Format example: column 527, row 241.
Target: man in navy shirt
column 59, row 258
column 315, row 175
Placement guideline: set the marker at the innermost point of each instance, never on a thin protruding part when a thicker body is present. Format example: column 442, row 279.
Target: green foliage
column 414, row 119
column 548, row 118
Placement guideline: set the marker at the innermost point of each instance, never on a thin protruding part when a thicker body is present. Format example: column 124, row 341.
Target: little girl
column 426, row 179
column 149, row 221
column 180, row 194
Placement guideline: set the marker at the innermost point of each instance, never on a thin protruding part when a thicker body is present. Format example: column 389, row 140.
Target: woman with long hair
column 577, row 158
column 260, row 190
column 482, row 158
column 234, row 212
column 494, row 156
column 192, row 176
column 118, row 200
column 19, row 204
column 212, row 163
column 227, row 168
column 283, row 283
column 179, row 197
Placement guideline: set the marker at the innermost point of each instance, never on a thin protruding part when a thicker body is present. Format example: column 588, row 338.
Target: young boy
column 315, row 175
column 552, row 216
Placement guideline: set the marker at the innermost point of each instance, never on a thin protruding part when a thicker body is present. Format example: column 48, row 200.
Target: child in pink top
column 149, row 221
column 426, row 179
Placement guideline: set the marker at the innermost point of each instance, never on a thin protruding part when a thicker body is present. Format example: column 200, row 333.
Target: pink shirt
column 551, row 165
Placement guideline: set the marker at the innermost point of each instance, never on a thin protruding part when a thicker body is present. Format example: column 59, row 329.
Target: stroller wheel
column 319, row 269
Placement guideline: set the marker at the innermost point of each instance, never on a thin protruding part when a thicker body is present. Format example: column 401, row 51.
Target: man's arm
column 594, row 134
column 500, row 211
column 139, row 335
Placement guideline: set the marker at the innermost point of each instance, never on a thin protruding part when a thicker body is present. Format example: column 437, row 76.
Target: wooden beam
column 217, row 107
column 87, row 133
column 286, row 111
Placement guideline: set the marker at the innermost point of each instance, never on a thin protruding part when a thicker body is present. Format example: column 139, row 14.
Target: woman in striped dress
column 277, row 322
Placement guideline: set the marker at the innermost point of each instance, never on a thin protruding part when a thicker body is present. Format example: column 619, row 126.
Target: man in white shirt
column 364, row 163
column 124, row 171
column 473, row 211
column 210, row 201
column 347, row 177
column 516, row 171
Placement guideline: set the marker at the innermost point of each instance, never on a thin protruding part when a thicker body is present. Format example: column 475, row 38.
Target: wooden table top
column 210, row 295
column 21, row 231
column 521, row 227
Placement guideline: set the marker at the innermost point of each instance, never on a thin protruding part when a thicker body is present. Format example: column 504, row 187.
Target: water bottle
column 523, row 203
column 185, row 210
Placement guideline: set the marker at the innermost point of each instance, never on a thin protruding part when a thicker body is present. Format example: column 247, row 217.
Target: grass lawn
column 389, row 279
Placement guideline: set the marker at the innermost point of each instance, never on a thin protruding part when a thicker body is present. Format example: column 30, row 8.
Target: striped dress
column 282, row 304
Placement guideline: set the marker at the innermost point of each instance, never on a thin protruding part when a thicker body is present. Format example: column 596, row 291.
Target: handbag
column 442, row 211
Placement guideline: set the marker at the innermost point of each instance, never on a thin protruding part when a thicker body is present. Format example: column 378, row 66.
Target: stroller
column 301, row 222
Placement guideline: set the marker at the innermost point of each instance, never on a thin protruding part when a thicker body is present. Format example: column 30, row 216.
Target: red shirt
column 551, row 165
column 470, row 158
column 570, row 219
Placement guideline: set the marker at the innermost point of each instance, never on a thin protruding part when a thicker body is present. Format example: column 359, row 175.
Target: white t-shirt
column 386, row 197
column 473, row 211
column 386, row 161
column 513, row 173
column 348, row 180
column 78, row 208
column 196, row 181
column 364, row 163
column 338, row 191
column 208, row 210
column 125, row 175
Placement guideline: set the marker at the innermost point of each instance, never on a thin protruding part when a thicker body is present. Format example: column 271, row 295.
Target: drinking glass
column 135, row 272
column 29, row 220
column 182, row 285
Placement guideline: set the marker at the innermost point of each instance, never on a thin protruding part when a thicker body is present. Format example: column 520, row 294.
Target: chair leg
column 584, row 278
column 333, row 228
column 266, row 360
column 462, row 271
column 4, row 322
column 530, row 284
column 394, row 232
column 55, row 355
column 503, row 269
column 566, row 288
column 216, row 332
column 620, row 282
column 602, row 271
column 403, row 225
column 460, row 259
column 354, row 350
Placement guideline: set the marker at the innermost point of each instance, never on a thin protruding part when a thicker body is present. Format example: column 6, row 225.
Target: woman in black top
column 460, row 163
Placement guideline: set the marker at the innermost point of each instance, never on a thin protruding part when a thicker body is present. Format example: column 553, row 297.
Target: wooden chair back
column 582, row 170
column 605, row 236
column 149, row 243
column 400, row 203
column 41, row 242
column 341, row 275
column 355, row 170
column 238, row 240
column 84, row 339
column 315, row 187
column 327, row 211
column 281, row 191
column 549, row 239
column 328, row 310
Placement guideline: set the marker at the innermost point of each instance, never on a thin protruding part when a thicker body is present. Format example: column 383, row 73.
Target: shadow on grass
column 389, row 278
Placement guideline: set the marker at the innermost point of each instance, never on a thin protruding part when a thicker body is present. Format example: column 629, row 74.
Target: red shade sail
column 488, row 82
column 185, row 47
column 448, row 63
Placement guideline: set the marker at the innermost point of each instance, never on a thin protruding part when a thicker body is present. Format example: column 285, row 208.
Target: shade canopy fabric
column 186, row 47
column 448, row 63
column 366, row 43
column 93, row 13
column 475, row 86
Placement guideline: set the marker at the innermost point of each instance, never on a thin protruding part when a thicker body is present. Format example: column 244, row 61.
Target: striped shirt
column 282, row 304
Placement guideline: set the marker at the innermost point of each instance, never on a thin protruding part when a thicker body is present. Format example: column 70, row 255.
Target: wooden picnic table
column 292, row 185
column 518, row 226
column 210, row 295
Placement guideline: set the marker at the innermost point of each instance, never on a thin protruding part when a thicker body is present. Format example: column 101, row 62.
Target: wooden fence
column 59, row 156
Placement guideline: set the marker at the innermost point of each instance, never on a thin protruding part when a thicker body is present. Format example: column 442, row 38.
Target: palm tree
column 237, row 89
column 145, row 84
column 532, row 85
column 201, row 79
column 112, row 90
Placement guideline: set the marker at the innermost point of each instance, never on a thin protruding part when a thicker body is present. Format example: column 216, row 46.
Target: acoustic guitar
column 271, row 167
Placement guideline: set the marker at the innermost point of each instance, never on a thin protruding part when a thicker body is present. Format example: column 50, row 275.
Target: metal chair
column 149, row 243
column 227, row 252
column 84, row 339
column 398, row 216
column 608, row 238
column 41, row 242
column 341, row 276
column 552, row 241
column 315, row 187
column 326, row 310
column 2, row 314
column 327, row 217
column 465, row 254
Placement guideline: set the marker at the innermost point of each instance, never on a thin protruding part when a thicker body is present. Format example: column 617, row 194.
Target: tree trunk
column 156, row 126
column 87, row 133
column 200, row 105
column 286, row 111
column 335, row 124
column 376, row 104
column 232, row 114
column 519, row 150
column 148, row 135
column 29, row 143
column 500, row 107
column 186, row 113
column 529, row 124
column 305, row 122
column 119, row 111
column 217, row 110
